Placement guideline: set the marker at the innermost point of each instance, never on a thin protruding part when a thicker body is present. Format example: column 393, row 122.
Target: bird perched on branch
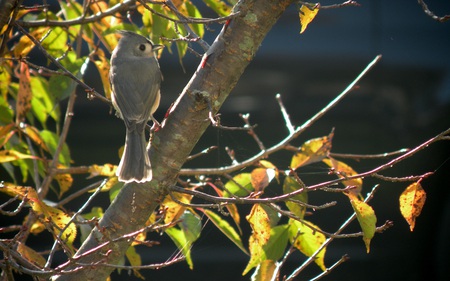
column 135, row 79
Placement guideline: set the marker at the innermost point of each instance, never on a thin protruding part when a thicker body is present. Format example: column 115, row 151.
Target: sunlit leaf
column 105, row 170
column 58, row 218
column 312, row 151
column 261, row 177
column 102, row 65
column 185, row 236
column 266, row 271
column 260, row 224
column 55, row 42
column 232, row 209
column 13, row 155
column 62, row 86
column 307, row 240
column 30, row 255
column 225, row 228
column 343, row 171
column 25, row 45
column 5, row 79
column 173, row 210
column 291, row 185
column 274, row 249
column 412, row 201
column 6, row 113
column 135, row 260
column 43, row 104
column 241, row 185
column 193, row 12
column 24, row 96
column 307, row 15
column 218, row 6
column 366, row 218
column 64, row 181
column 51, row 141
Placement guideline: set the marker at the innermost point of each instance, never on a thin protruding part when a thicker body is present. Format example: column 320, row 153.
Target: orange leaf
column 343, row 171
column 23, row 102
column 311, row 151
column 412, row 200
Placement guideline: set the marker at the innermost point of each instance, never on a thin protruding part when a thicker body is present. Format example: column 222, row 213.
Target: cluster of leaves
column 31, row 141
column 270, row 235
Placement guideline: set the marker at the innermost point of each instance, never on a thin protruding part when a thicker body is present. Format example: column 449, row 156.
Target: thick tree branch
column 216, row 76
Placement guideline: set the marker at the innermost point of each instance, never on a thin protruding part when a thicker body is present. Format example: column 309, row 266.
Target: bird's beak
column 157, row 47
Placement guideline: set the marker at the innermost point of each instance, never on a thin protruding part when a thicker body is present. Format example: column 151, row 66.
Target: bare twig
column 285, row 142
column 331, row 268
column 287, row 119
column 431, row 14
column 252, row 132
column 328, row 241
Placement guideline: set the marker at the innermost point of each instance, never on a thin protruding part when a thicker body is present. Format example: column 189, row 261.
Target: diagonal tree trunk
column 221, row 68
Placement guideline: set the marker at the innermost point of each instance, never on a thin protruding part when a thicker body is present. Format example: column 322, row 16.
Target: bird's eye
column 142, row 47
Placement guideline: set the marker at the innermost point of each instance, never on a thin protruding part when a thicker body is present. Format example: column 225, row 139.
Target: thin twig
column 287, row 119
column 331, row 268
column 252, row 132
column 282, row 144
column 328, row 241
column 431, row 14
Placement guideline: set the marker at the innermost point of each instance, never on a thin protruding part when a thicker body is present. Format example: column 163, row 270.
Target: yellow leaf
column 106, row 170
column 57, row 218
column 312, row 151
column 343, row 171
column 173, row 209
column 103, row 69
column 307, row 240
column 366, row 218
column 64, row 181
column 135, row 260
column 307, row 15
column 412, row 200
column 260, row 224
column 12, row 155
column 24, row 95
column 24, row 46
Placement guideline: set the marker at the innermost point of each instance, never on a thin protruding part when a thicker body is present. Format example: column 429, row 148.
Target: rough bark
column 216, row 76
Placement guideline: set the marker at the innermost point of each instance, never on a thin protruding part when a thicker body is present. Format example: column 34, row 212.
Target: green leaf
column 366, row 218
column 56, row 42
column 225, row 228
column 291, row 185
column 6, row 113
column 62, row 86
column 307, row 240
column 218, row 6
column 278, row 240
column 193, row 12
column 241, row 185
column 51, row 141
column 135, row 260
column 186, row 235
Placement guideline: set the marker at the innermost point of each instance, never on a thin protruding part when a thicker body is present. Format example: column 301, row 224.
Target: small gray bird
column 135, row 80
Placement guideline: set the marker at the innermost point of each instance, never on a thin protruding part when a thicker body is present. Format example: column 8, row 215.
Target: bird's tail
column 135, row 163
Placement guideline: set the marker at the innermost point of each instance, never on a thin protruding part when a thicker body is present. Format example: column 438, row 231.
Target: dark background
column 404, row 101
